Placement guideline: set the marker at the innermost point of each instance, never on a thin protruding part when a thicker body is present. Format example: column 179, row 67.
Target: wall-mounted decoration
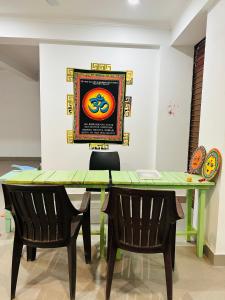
column 98, row 146
column 127, row 106
column 212, row 164
column 100, row 67
column 172, row 109
column 197, row 160
column 69, row 74
column 130, row 76
column 70, row 136
column 126, row 139
column 70, row 104
column 99, row 98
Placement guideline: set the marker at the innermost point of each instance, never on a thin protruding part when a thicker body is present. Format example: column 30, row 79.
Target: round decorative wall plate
column 212, row 164
column 197, row 160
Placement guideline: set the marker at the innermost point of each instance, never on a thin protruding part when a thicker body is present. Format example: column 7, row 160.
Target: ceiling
column 24, row 60
column 160, row 13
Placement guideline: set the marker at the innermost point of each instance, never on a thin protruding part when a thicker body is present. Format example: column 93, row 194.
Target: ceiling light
column 134, row 2
column 52, row 2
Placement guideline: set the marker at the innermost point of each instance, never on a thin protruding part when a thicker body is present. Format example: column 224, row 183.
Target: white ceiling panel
column 149, row 12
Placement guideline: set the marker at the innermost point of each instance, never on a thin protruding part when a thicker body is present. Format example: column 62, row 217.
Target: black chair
column 142, row 221
column 108, row 160
column 45, row 218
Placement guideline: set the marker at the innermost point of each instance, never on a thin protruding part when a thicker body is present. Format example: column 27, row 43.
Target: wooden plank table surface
column 177, row 180
column 93, row 178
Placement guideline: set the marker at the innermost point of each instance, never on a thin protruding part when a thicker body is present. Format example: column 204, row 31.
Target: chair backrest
column 104, row 160
column 42, row 214
column 100, row 160
column 141, row 219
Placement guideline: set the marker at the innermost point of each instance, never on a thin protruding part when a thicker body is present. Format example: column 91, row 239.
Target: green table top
column 177, row 180
column 76, row 177
column 96, row 178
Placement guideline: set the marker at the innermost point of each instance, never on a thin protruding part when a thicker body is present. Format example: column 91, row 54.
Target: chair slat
column 127, row 218
column 120, row 216
column 51, row 215
column 60, row 230
column 136, row 219
column 27, row 220
column 29, row 202
column 146, row 206
column 39, row 204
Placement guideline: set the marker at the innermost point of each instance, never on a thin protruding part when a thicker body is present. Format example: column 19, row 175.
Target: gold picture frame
column 130, row 77
column 98, row 146
column 70, row 104
column 70, row 136
column 126, row 139
column 101, row 67
column 69, row 74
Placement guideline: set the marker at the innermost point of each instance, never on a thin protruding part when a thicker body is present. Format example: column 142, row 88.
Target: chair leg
column 87, row 236
column 72, row 256
column 31, row 253
column 110, row 268
column 109, row 244
column 17, row 250
column 169, row 273
column 173, row 244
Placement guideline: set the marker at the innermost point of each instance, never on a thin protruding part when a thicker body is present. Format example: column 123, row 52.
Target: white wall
column 212, row 127
column 54, row 59
column 19, row 116
column 175, row 82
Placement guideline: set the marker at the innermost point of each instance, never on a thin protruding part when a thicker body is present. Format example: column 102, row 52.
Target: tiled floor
column 136, row 277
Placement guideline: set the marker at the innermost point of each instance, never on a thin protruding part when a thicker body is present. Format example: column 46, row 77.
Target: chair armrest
column 85, row 202
column 105, row 204
column 180, row 212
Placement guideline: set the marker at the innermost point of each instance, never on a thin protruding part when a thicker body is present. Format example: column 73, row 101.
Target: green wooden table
column 100, row 179
column 76, row 179
column 174, row 181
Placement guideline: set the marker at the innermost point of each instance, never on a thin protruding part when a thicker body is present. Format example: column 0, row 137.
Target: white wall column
column 212, row 127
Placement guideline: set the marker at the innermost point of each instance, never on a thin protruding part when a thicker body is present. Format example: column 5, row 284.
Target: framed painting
column 99, row 102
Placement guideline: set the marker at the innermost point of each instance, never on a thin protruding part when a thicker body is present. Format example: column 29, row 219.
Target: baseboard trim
column 33, row 158
column 216, row 260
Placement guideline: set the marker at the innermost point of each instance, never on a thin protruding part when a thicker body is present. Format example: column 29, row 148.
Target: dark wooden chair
column 142, row 221
column 45, row 218
column 104, row 160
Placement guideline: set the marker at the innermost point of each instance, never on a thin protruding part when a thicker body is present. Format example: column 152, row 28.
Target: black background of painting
column 86, row 87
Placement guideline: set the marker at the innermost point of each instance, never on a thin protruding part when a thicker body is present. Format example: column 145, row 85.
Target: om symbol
column 98, row 103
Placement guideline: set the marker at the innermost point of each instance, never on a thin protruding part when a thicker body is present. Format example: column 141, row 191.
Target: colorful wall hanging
column 100, row 67
column 127, row 106
column 98, row 146
column 212, row 164
column 99, row 98
column 197, row 160
column 130, row 77
column 70, row 104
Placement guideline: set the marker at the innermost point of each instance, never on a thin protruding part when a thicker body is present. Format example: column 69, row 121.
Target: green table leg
column 102, row 226
column 201, row 222
column 7, row 221
column 189, row 197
